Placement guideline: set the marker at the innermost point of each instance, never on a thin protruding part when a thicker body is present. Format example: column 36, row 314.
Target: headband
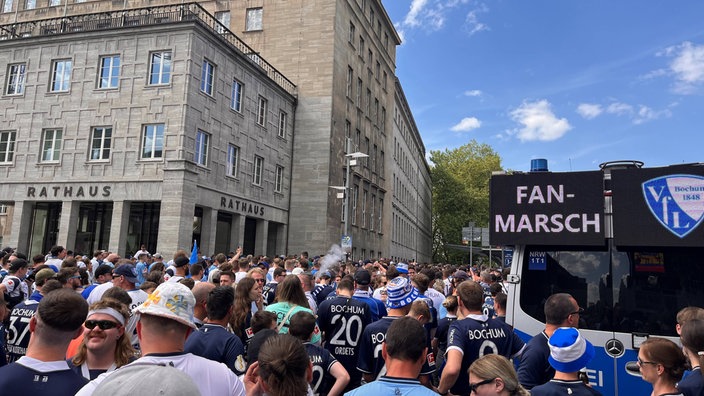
column 109, row 311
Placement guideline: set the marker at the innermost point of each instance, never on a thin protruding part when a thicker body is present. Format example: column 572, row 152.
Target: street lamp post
column 350, row 161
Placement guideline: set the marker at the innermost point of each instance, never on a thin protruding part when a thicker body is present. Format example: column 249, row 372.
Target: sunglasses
column 260, row 280
column 115, row 276
column 643, row 362
column 102, row 324
column 473, row 387
column 580, row 311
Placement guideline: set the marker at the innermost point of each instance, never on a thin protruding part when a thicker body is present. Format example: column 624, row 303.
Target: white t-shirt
column 239, row 276
column 212, row 378
column 97, row 293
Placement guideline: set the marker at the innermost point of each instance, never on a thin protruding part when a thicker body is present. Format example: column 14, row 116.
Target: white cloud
column 646, row 114
column 472, row 23
column 539, row 122
column 589, row 110
column 431, row 15
column 619, row 108
column 473, row 92
column 687, row 66
column 467, row 124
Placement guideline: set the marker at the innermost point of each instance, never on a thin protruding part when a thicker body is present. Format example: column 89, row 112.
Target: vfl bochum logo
column 677, row 201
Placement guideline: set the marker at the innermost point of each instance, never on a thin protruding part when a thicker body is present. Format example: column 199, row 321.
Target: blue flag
column 194, row 253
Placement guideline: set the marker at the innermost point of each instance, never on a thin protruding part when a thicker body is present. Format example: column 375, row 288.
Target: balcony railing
column 158, row 15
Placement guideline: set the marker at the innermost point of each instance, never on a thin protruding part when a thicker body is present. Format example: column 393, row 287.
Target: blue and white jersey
column 322, row 362
column 370, row 359
column 18, row 329
column 31, row 377
column 343, row 320
column 214, row 342
column 392, row 386
column 377, row 306
column 476, row 336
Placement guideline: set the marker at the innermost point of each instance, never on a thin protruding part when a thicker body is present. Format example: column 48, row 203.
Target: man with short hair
column 40, row 279
column 70, row 278
column 342, row 320
column 213, row 341
column 561, row 310
column 362, row 279
column 227, row 278
column 200, row 292
column 404, row 350
column 269, row 290
column 103, row 274
column 472, row 337
column 242, row 268
column 56, row 257
column 181, row 269
column 142, row 267
column 13, row 285
column 43, row 370
column 166, row 321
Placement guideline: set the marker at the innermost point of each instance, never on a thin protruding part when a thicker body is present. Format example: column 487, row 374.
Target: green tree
column 460, row 194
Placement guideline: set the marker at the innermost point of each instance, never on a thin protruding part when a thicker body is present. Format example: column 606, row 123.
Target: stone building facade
column 159, row 135
column 341, row 56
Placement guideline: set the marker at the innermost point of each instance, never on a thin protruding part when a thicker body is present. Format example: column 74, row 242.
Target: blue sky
column 577, row 82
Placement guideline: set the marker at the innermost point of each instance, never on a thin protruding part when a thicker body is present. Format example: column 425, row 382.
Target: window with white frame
column 152, row 141
column 237, row 91
column 16, row 78
column 160, row 68
column 54, row 3
column 51, row 145
column 201, row 150
column 30, row 5
column 261, row 111
column 233, row 157
column 207, row 77
column 224, row 18
column 283, row 120
column 7, row 146
column 100, row 143
column 254, row 19
column 279, row 184
column 61, row 75
column 258, row 170
column 109, row 71
column 7, row 6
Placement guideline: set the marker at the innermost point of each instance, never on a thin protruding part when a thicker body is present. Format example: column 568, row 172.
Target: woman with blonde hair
column 105, row 346
column 494, row 375
column 661, row 363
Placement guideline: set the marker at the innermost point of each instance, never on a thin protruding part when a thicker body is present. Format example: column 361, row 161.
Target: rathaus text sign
column 547, row 208
column 69, row 191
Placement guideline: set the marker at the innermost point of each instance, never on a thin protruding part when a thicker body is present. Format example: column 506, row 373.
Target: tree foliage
column 460, row 194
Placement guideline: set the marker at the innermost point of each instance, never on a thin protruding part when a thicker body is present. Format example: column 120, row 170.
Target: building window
column 261, row 111
column 207, row 77
column 160, row 68
column 7, row 6
column 109, row 71
column 237, row 90
column 283, row 120
column 350, row 77
column 352, row 32
column 361, row 47
column 100, row 143
column 51, row 145
column 366, row 151
column 355, row 197
column 348, row 129
column 370, row 57
column 15, row 79
column 201, row 150
column 61, row 75
column 254, row 19
column 372, row 219
column 153, row 141
column 7, row 146
column 224, row 18
column 383, row 119
column 258, row 170
column 377, row 71
column 233, row 157
column 279, row 185
column 384, row 80
column 54, row 3
column 3, row 209
column 368, row 103
column 359, row 93
column 381, row 209
column 364, row 208
column 30, row 4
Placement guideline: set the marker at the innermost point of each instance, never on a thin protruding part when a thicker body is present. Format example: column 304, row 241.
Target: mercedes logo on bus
column 614, row 348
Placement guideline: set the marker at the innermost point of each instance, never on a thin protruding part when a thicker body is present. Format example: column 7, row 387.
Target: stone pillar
column 281, row 233
column 260, row 242
column 21, row 226
column 68, row 224
column 237, row 231
column 208, row 230
column 118, row 227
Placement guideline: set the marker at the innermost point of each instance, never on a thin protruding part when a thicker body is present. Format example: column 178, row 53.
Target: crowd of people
column 297, row 325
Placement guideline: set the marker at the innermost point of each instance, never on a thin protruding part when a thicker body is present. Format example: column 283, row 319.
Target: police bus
column 625, row 241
